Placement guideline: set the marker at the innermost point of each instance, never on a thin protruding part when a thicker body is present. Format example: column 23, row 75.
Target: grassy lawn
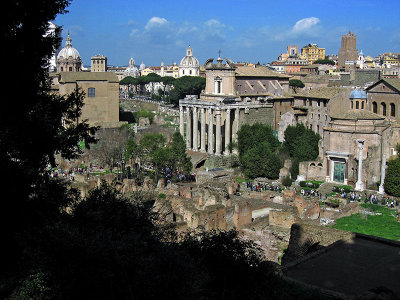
column 242, row 179
column 384, row 225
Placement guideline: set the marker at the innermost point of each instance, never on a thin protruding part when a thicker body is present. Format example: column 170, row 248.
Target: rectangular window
column 91, row 92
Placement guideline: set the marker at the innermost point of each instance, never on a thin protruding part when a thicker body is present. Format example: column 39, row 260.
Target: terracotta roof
column 357, row 114
column 322, row 93
column 257, row 71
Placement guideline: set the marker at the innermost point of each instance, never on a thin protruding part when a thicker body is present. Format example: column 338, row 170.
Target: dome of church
column 189, row 60
column 132, row 70
column 142, row 66
column 358, row 94
column 68, row 51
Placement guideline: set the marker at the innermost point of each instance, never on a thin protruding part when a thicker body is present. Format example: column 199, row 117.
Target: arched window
column 392, row 110
column 218, row 85
column 374, row 107
column 357, row 105
column 362, row 104
column 383, row 105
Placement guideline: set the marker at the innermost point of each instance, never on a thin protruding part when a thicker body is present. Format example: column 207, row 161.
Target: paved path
column 353, row 268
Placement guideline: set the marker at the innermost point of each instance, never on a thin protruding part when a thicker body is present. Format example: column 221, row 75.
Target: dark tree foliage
column 31, row 127
column 186, row 85
column 301, row 144
column 257, row 147
column 296, row 84
column 392, row 178
column 325, row 62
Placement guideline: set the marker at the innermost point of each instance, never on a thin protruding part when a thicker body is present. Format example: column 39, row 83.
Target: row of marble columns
column 210, row 140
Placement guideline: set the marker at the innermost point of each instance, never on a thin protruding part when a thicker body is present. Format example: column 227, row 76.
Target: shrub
column 287, row 181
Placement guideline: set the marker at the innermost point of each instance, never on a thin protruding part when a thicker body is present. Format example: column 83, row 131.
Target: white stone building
column 189, row 65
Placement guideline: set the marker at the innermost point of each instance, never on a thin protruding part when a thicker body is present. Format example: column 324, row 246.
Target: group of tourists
column 68, row 174
column 310, row 193
column 260, row 187
column 386, row 201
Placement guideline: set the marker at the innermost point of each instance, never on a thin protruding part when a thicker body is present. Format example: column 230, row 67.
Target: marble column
column 236, row 129
column 188, row 128
column 383, row 172
column 359, row 183
column 181, row 125
column 210, row 131
column 227, row 131
column 195, row 129
column 218, row 132
column 203, row 130
column 328, row 175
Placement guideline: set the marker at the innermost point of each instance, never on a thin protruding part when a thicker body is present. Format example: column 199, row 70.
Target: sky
column 244, row 30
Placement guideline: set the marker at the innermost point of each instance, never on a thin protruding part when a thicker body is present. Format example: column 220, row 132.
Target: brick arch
column 392, row 110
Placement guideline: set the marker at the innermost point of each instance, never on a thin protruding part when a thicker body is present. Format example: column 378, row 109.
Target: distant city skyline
column 254, row 31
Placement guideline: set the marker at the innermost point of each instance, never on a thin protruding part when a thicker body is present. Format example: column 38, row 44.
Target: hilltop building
column 348, row 53
column 312, row 52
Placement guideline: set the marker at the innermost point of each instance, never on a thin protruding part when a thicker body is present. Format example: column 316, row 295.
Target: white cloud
column 155, row 22
column 213, row 30
column 305, row 24
column 133, row 32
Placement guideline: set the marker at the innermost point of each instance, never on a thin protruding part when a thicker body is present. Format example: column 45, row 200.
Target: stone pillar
column 203, row 130
column 195, row 129
column 181, row 125
column 383, row 172
column 359, row 183
column 328, row 175
column 210, row 131
column 227, row 130
column 236, row 127
column 218, row 132
column 188, row 128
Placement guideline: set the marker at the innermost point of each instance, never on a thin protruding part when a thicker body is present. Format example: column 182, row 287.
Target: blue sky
column 244, row 30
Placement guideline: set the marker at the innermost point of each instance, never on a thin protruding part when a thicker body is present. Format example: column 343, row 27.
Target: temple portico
column 210, row 126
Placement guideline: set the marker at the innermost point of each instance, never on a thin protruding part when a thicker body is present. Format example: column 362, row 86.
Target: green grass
column 384, row 225
column 241, row 179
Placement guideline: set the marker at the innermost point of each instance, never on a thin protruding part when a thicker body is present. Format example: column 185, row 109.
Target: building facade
column 98, row 63
column 383, row 98
column 101, row 102
column 312, row 52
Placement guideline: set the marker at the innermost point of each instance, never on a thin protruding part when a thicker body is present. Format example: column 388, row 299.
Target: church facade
column 101, row 89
